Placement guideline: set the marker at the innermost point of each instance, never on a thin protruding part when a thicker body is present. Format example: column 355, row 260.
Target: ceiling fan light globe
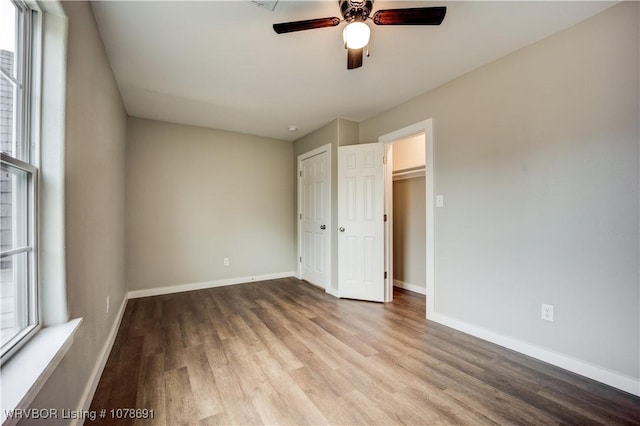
column 356, row 35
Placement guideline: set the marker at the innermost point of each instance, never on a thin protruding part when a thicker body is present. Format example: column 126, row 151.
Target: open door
column 361, row 222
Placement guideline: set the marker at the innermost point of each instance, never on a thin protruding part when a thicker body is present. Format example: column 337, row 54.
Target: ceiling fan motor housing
column 355, row 10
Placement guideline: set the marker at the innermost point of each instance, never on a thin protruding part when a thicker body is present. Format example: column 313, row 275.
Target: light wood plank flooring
column 284, row 352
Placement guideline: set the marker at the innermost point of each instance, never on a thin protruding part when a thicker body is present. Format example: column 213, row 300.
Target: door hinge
column 300, row 215
column 300, row 259
column 385, row 275
column 300, row 173
column 385, row 217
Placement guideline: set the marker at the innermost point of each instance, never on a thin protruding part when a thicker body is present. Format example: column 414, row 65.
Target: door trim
column 425, row 127
column 304, row 156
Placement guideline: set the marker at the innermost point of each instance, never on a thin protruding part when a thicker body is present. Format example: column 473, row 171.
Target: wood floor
column 284, row 352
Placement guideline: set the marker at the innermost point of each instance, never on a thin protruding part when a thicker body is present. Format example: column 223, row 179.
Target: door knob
column 323, row 226
column 341, row 229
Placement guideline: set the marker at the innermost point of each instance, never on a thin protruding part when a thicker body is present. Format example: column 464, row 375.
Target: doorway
column 422, row 128
column 314, row 216
column 408, row 225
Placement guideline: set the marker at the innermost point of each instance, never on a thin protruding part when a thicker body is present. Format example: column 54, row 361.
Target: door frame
column 425, row 127
column 326, row 149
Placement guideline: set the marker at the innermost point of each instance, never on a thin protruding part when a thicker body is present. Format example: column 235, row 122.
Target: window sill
column 26, row 372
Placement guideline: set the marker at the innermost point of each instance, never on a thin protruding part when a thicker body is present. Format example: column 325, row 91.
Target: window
column 19, row 307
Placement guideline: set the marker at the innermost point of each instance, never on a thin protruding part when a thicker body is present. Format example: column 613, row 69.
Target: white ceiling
column 219, row 64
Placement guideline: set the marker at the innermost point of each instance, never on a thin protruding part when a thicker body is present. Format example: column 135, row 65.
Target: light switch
column 439, row 200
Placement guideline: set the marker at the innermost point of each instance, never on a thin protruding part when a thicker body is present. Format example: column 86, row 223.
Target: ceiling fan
column 356, row 33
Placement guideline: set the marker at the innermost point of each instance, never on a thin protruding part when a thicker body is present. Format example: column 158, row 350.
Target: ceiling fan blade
column 354, row 58
column 310, row 24
column 411, row 16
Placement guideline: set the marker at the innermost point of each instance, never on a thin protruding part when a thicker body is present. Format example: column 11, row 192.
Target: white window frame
column 24, row 159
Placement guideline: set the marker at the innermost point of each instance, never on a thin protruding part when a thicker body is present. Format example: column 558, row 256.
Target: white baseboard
column 90, row 389
column 134, row 294
column 333, row 292
column 312, row 284
column 583, row 368
column 611, row 378
column 410, row 287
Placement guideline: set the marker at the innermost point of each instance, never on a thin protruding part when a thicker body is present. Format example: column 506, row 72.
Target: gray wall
column 196, row 196
column 536, row 155
column 95, row 206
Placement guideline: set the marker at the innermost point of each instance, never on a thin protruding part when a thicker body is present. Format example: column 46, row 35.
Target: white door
column 314, row 217
column 361, row 222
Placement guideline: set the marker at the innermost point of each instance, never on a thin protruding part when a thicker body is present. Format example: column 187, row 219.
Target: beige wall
column 319, row 137
column 409, row 231
column 409, row 153
column 348, row 132
column 196, row 196
column 536, row 155
column 95, row 206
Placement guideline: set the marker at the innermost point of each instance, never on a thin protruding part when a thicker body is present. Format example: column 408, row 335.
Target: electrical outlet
column 225, row 261
column 547, row 312
column 108, row 304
